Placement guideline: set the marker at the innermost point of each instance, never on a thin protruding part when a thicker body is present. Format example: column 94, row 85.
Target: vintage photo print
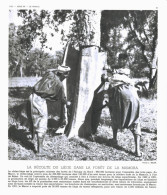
column 82, row 84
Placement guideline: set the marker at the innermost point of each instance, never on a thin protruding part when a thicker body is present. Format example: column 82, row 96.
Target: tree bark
column 21, row 67
column 152, row 65
column 153, row 69
column 88, row 77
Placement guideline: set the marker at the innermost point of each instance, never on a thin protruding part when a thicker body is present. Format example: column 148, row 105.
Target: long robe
column 46, row 92
column 124, row 106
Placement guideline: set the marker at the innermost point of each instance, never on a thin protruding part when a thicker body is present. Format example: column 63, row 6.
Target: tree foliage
column 140, row 41
column 80, row 31
column 22, row 55
column 79, row 24
column 133, row 32
column 38, row 62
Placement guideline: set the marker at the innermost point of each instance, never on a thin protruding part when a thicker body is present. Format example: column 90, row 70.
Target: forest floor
column 59, row 147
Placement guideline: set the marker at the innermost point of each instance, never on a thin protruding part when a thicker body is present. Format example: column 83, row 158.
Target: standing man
column 50, row 87
column 124, row 102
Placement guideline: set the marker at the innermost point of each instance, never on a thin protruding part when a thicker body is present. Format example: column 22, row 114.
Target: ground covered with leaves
column 59, row 147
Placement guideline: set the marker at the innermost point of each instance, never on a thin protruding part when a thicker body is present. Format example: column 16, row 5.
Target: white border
column 161, row 165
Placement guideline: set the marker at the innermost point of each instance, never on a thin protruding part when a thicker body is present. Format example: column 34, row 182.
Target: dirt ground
column 59, row 147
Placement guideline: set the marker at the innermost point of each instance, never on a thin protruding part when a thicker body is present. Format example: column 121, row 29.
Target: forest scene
column 39, row 42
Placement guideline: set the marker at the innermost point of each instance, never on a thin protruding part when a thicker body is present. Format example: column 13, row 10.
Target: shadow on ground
column 148, row 130
column 21, row 136
column 109, row 142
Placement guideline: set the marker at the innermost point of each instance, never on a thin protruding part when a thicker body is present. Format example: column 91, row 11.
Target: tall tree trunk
column 88, row 76
column 153, row 65
column 21, row 71
column 21, row 68
column 153, row 69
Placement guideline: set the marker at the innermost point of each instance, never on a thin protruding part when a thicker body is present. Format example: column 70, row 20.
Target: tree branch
column 147, row 38
column 131, row 26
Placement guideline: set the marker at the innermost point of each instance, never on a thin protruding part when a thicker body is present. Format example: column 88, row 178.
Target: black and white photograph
column 82, row 85
column 83, row 102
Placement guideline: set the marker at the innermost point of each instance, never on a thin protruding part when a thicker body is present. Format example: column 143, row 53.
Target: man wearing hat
column 124, row 102
column 50, row 87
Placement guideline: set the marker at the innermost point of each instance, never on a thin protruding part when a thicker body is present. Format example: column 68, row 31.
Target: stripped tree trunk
column 88, row 76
